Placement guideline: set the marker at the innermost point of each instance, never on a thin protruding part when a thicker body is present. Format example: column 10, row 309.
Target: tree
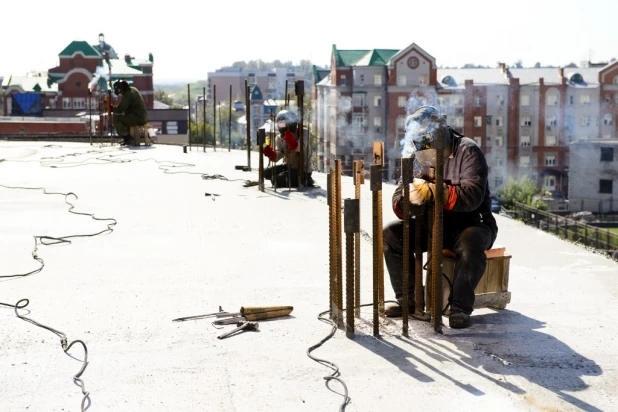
column 162, row 96
column 537, row 65
column 519, row 64
column 518, row 191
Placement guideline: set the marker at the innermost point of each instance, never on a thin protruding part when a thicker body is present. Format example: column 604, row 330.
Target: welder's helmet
column 422, row 125
column 286, row 121
column 120, row 86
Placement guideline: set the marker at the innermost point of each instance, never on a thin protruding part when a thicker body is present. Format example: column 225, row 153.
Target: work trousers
column 468, row 244
column 122, row 122
column 281, row 172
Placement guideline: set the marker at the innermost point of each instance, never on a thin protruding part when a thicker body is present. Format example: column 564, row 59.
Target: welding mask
column 422, row 127
column 120, row 86
column 286, row 122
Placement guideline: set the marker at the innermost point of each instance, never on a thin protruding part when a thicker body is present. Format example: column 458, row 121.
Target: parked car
column 495, row 205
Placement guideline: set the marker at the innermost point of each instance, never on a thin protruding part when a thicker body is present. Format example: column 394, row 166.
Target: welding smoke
column 100, row 72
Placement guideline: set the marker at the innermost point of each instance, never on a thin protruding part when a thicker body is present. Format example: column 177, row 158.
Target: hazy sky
column 189, row 38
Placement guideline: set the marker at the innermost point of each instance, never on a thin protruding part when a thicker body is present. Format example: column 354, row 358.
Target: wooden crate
column 492, row 290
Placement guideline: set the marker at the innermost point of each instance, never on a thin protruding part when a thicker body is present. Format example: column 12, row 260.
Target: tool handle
column 265, row 312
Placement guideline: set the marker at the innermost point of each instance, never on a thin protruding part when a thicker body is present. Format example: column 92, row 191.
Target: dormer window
column 576, row 78
column 449, row 81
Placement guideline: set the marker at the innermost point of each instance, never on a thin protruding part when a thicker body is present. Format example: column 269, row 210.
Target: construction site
column 168, row 278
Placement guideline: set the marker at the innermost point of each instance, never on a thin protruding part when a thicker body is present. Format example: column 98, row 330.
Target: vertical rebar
column 331, row 243
column 261, row 138
column 287, row 102
column 351, row 227
column 189, row 105
column 299, row 88
column 214, row 118
column 248, row 118
column 229, row 129
column 359, row 178
column 375, row 186
column 204, row 115
column 419, row 296
column 339, row 242
column 438, row 234
column 90, row 111
column 406, row 175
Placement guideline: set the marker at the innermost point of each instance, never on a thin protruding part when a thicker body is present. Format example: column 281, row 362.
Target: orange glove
column 270, row 153
column 292, row 142
column 422, row 192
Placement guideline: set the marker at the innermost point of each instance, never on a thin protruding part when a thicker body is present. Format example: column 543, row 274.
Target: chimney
column 127, row 58
column 561, row 72
column 502, row 66
column 541, row 81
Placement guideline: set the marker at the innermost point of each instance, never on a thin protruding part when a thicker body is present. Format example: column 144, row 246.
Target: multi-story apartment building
column 271, row 83
column 523, row 119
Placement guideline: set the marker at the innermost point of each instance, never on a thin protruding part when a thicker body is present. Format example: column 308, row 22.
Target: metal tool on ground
column 358, row 173
column 242, row 326
column 250, row 313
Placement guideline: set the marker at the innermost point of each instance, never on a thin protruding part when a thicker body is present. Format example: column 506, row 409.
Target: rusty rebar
column 419, row 296
column 351, row 227
column 339, row 291
column 438, row 235
column 380, row 252
column 332, row 250
column 359, row 178
column 375, row 186
column 214, row 118
column 406, row 174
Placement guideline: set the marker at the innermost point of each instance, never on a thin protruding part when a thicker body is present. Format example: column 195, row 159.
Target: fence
column 593, row 205
column 568, row 228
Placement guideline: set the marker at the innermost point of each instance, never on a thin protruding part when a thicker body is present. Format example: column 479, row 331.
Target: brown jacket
column 292, row 158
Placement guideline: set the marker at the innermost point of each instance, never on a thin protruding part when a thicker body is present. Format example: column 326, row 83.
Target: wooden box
column 492, row 290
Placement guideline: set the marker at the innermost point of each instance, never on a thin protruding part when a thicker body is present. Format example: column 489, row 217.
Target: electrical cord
column 51, row 240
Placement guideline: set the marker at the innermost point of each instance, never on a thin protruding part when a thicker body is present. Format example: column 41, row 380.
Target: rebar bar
column 332, row 251
column 438, row 234
column 204, row 114
column 359, row 178
column 339, row 291
column 351, row 227
column 406, row 174
column 375, row 186
column 214, row 118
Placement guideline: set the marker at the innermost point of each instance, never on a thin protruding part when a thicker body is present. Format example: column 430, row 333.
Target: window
column 401, row 101
column 608, row 98
column 616, row 80
column 499, row 121
column 524, row 161
column 551, row 120
column 525, row 100
column 498, row 181
column 498, row 141
column 79, row 103
column 358, row 99
column 479, row 141
column 377, row 101
column 377, row 121
column 377, row 80
column 571, row 99
column 400, row 122
column 550, row 182
column 52, row 104
column 442, row 100
column 584, row 120
column 584, row 99
column 605, row 186
column 550, row 160
column 342, row 80
column 616, row 98
column 172, row 127
column 478, row 121
column 551, row 100
column 607, row 119
column 524, row 140
column 500, row 162
column 456, row 99
column 551, row 141
column 607, row 154
column 423, row 79
column 362, row 79
column 459, row 121
column 478, row 101
column 402, row 80
column 500, row 100
column 526, row 121
column 488, row 119
column 359, row 122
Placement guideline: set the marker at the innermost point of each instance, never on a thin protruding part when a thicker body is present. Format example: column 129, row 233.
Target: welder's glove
column 291, row 140
column 270, row 153
column 421, row 192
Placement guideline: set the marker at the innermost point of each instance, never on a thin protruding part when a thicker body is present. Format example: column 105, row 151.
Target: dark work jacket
column 466, row 170
column 132, row 103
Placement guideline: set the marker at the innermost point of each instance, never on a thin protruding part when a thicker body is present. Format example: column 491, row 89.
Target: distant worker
column 131, row 111
column 288, row 148
column 469, row 225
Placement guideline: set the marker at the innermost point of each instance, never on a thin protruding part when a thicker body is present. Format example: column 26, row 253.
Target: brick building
column 523, row 119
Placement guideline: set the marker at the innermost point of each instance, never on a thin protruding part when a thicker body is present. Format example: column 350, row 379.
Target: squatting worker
column 469, row 226
column 288, row 148
column 131, row 111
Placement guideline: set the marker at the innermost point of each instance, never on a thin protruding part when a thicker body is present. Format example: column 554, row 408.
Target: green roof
column 374, row 57
column 82, row 47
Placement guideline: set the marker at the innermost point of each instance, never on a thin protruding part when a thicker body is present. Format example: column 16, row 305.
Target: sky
column 190, row 38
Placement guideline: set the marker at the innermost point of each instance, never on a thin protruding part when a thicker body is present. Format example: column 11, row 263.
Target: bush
column 517, row 191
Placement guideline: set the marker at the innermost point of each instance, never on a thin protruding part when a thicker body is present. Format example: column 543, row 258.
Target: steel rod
column 339, row 242
column 204, row 115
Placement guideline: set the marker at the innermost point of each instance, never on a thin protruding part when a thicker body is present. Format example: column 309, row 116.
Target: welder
column 469, row 227
column 131, row 111
column 287, row 147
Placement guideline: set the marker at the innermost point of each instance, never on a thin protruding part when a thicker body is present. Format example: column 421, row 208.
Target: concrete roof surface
column 176, row 251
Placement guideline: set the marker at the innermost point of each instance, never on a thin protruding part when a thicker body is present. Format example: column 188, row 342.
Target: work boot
column 394, row 310
column 458, row 319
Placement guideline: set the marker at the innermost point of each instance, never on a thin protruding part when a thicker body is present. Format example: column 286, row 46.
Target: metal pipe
column 351, row 227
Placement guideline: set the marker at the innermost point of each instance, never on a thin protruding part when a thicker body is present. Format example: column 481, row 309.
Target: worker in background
column 287, row 148
column 130, row 111
column 469, row 225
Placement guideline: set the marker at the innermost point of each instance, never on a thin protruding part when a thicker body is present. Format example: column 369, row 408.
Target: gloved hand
column 289, row 138
column 421, row 192
column 270, row 153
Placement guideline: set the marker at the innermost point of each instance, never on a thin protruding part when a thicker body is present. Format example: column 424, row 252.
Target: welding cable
column 21, row 304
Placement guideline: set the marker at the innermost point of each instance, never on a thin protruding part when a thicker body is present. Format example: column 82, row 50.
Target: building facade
column 524, row 120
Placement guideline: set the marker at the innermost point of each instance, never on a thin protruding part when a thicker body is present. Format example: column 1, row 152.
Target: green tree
column 518, row 191
column 162, row 96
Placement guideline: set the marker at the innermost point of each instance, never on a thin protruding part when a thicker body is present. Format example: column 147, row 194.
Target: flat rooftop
column 185, row 241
